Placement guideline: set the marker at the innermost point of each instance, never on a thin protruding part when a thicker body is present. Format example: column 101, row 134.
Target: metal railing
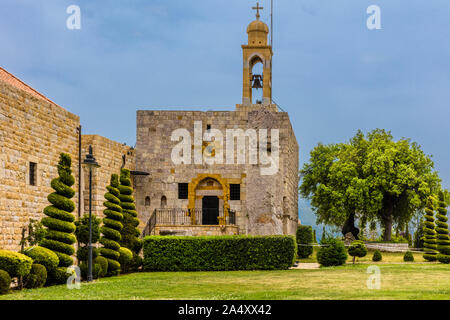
column 179, row 217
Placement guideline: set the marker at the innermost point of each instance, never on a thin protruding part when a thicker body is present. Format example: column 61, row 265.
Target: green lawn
column 398, row 281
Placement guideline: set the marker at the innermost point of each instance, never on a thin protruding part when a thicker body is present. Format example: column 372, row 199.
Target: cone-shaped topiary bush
column 377, row 256
column 430, row 234
column 331, row 253
column 5, row 281
column 443, row 240
column 112, row 225
column 408, row 257
column 59, row 235
column 130, row 233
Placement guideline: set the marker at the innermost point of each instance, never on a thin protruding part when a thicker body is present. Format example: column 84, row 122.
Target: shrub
column 408, row 257
column 332, row 253
column 36, row 278
column 5, row 282
column 111, row 227
column 129, row 233
column 219, row 253
column 103, row 263
column 304, row 237
column 83, row 253
column 419, row 235
column 377, row 256
column 357, row 249
column 16, row 264
column 96, row 270
column 125, row 259
column 57, row 276
column 43, row 256
column 443, row 240
column 59, row 220
column 136, row 263
column 430, row 234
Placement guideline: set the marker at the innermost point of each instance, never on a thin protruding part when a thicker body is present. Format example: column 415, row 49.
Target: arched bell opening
column 257, row 81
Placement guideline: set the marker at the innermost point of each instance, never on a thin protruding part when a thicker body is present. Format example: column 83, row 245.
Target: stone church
column 194, row 172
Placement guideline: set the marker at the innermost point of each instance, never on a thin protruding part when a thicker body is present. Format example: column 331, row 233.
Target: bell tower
column 257, row 51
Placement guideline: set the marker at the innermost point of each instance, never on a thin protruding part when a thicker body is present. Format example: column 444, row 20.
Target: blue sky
column 331, row 73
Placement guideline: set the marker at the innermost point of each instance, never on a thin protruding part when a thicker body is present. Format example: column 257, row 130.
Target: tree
column 59, row 235
column 430, row 234
column 331, row 253
column 112, row 225
column 373, row 178
column 357, row 249
column 130, row 233
column 443, row 240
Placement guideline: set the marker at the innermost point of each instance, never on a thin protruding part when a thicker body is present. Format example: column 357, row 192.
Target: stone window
column 33, row 173
column 208, row 127
column 235, row 192
column 147, row 201
column 163, row 201
column 183, row 190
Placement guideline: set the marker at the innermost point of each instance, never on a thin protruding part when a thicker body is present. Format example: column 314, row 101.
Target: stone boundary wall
column 32, row 129
column 387, row 247
column 187, row 230
column 108, row 154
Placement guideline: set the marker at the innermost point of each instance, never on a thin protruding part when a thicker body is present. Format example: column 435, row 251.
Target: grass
column 398, row 281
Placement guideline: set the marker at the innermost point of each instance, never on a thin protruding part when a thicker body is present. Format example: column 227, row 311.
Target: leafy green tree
column 373, row 178
column 430, row 234
column 130, row 233
column 443, row 240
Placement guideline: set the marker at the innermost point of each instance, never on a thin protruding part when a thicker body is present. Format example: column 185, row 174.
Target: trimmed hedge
column 332, row 253
column 43, row 256
column 377, row 256
column 5, row 282
column 112, row 226
column 37, row 277
column 443, row 240
column 219, row 253
column 59, row 221
column 103, row 263
column 408, row 257
column 304, row 237
column 129, row 233
column 16, row 264
column 125, row 259
column 430, row 243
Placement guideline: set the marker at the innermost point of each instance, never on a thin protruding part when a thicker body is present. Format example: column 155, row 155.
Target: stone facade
column 32, row 130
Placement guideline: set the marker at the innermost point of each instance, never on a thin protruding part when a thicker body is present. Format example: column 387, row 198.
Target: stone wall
column 196, row 230
column 109, row 155
column 32, row 129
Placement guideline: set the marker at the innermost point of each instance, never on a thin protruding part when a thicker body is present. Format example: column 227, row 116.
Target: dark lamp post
column 91, row 164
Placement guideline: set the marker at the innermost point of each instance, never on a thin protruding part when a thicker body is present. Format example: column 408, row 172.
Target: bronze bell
column 257, row 79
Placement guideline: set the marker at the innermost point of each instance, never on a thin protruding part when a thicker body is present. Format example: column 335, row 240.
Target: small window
column 183, row 190
column 33, row 173
column 235, row 192
column 147, row 201
column 208, row 127
column 163, row 201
